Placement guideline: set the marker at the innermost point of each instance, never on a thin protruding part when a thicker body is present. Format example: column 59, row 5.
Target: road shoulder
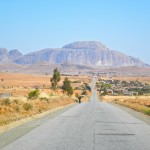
column 136, row 114
column 13, row 132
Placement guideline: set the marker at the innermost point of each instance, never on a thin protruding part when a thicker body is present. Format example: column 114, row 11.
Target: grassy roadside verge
column 137, row 107
column 14, row 110
column 15, row 124
column 141, row 104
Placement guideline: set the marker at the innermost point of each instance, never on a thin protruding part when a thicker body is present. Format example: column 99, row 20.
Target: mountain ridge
column 9, row 56
column 89, row 53
column 86, row 45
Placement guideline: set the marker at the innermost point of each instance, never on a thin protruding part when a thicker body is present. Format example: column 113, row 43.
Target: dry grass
column 139, row 103
column 16, row 109
column 28, row 80
column 19, row 85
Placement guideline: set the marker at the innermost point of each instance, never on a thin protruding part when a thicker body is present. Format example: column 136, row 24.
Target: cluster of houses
column 117, row 87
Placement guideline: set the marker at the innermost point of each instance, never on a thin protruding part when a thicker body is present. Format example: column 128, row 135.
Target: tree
column 84, row 92
column 86, row 87
column 55, row 79
column 67, row 87
column 79, row 97
column 105, row 91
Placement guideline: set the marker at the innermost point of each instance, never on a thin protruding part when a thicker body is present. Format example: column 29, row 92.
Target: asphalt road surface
column 87, row 126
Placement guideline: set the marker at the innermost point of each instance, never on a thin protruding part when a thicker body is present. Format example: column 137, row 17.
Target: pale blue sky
column 31, row 25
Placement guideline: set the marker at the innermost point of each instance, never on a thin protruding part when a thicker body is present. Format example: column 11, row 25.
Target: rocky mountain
column 9, row 56
column 3, row 55
column 86, row 45
column 89, row 53
column 14, row 54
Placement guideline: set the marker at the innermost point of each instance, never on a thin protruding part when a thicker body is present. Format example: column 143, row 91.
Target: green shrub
column 5, row 101
column 88, row 87
column 17, row 109
column 140, row 93
column 27, row 106
column 67, row 86
column 84, row 92
column 33, row 94
column 40, row 110
column 146, row 111
column 15, row 101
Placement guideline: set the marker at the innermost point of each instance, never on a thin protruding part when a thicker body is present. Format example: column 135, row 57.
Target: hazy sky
column 30, row 25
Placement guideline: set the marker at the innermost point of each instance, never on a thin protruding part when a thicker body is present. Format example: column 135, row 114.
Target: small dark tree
column 105, row 91
column 86, row 87
column 55, row 79
column 84, row 92
column 79, row 97
column 140, row 93
column 67, row 87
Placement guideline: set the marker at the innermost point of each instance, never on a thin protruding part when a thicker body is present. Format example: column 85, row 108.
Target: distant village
column 125, row 88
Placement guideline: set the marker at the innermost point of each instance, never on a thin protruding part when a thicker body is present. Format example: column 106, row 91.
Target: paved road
column 87, row 126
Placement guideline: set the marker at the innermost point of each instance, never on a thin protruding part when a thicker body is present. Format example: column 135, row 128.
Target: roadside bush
column 40, row 110
column 44, row 99
column 84, row 92
column 104, row 91
column 88, row 87
column 140, row 93
column 146, row 90
column 67, row 86
column 15, row 101
column 27, row 106
column 33, row 94
column 5, row 101
column 146, row 111
column 17, row 109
